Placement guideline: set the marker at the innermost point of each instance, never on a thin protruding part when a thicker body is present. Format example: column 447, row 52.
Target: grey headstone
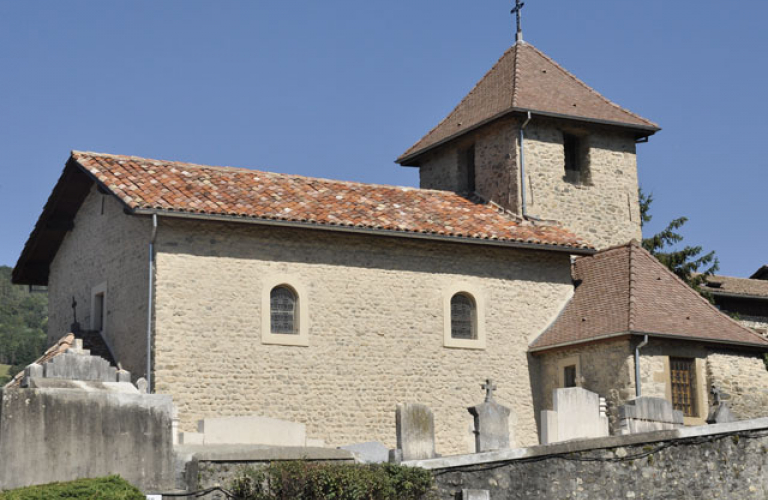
column 491, row 423
column 415, row 431
column 142, row 385
column 720, row 414
column 475, row 495
column 371, row 452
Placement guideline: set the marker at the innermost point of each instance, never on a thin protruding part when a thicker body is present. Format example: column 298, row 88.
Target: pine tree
column 687, row 263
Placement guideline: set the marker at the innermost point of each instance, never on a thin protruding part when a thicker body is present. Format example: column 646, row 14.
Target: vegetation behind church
column 23, row 324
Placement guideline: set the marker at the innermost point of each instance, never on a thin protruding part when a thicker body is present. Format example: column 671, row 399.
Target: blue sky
column 339, row 89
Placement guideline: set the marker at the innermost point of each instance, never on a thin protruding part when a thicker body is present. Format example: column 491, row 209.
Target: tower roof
column 625, row 291
column 523, row 80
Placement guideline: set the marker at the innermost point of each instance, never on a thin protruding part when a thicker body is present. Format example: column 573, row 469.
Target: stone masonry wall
column 375, row 328
column 605, row 368
column 744, row 377
column 109, row 246
column 605, row 210
column 496, row 173
column 722, row 466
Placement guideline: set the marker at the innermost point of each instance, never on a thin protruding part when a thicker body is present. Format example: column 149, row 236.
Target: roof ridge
column 466, row 97
column 697, row 294
column 254, row 171
column 590, row 89
column 516, row 73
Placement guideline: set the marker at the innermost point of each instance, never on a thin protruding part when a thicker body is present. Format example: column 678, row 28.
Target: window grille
column 463, row 317
column 683, row 375
column 282, row 304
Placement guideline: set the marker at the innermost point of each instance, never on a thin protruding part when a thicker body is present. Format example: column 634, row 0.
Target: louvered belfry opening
column 282, row 305
column 463, row 317
column 683, row 375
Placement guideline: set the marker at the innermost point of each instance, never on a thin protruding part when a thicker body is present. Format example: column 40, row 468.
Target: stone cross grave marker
column 491, row 422
column 415, row 432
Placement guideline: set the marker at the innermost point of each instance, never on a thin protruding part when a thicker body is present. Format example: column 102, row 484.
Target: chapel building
column 243, row 292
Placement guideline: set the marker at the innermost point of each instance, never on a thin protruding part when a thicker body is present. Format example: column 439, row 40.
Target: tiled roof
column 625, row 290
column 718, row 285
column 525, row 79
column 144, row 184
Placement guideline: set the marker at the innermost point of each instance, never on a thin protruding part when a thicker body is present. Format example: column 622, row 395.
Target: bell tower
column 544, row 146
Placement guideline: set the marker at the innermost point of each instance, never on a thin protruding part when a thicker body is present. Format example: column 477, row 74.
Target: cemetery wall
column 376, row 315
column 726, row 461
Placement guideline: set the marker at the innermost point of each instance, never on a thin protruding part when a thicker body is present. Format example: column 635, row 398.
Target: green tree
column 688, row 262
column 23, row 324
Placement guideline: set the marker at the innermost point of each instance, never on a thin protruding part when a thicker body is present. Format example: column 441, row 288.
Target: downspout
column 149, row 303
column 522, row 164
column 638, row 390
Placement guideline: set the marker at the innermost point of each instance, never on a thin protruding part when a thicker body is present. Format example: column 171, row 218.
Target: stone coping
column 259, row 453
column 588, row 444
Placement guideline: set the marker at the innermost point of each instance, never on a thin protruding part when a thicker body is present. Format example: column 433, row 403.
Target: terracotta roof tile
column 144, row 184
column 625, row 290
column 525, row 79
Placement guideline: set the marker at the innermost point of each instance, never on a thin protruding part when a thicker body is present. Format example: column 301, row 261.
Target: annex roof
column 624, row 290
column 525, row 79
column 168, row 188
column 741, row 287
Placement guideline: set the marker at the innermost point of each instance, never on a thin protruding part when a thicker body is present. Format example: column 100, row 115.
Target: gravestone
column 719, row 412
column 371, row 452
column 491, row 422
column 578, row 414
column 415, row 425
column 646, row 414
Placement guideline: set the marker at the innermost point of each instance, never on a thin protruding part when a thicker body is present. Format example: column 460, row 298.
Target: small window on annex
column 569, row 376
column 683, row 378
column 576, row 159
column 283, row 308
column 463, row 317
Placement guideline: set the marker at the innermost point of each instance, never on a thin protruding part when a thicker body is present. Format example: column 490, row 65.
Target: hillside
column 23, row 324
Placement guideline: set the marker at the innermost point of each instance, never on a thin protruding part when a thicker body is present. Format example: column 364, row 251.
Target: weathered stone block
column 252, row 430
column 415, row 431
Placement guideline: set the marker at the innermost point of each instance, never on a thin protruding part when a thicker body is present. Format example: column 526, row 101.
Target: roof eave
column 361, row 230
column 409, row 160
column 735, row 295
column 666, row 336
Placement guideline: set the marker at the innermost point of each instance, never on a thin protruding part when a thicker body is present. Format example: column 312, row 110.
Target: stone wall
column 376, row 323
column 726, row 461
column 62, row 434
column 605, row 210
column 605, row 368
column 106, row 246
column 496, row 172
column 744, row 377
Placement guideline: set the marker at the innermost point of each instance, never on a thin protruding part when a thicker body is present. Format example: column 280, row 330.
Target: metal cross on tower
column 518, row 11
column 489, row 387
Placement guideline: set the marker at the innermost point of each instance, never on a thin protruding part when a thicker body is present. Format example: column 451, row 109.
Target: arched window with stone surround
column 463, row 317
column 283, row 309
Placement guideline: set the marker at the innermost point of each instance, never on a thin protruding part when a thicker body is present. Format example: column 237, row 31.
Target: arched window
column 283, row 309
column 463, row 317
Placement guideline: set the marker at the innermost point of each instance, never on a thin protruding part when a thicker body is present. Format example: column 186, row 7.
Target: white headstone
column 415, row 431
